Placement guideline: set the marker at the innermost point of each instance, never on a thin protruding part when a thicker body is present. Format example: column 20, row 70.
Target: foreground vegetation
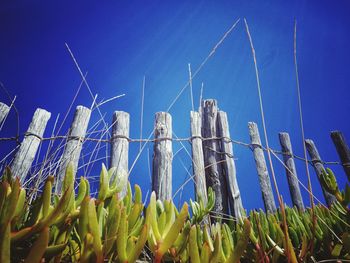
column 78, row 228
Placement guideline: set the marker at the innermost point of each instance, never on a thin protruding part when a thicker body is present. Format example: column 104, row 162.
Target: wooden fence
column 213, row 159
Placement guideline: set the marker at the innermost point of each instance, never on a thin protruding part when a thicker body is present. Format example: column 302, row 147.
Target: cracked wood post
column 120, row 148
column 74, row 143
column 26, row 153
column 4, row 110
column 291, row 172
column 343, row 150
column 264, row 178
column 318, row 167
column 197, row 157
column 162, row 156
column 213, row 172
column 229, row 166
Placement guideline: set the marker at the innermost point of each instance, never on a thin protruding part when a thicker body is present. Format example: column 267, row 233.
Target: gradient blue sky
column 119, row 42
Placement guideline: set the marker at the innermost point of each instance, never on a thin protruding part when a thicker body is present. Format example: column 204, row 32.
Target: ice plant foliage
column 79, row 228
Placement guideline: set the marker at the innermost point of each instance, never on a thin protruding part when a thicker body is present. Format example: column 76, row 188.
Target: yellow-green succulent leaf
column 135, row 214
column 161, row 223
column 83, row 225
column 153, row 217
column 216, row 255
column 81, row 192
column 94, row 230
column 47, row 196
column 68, row 180
column 181, row 241
column 242, row 243
column 137, row 248
column 193, row 246
column 10, row 204
column 205, row 253
column 207, row 238
column 38, row 249
column 137, row 194
column 104, row 184
column 54, row 250
column 5, row 243
column 122, row 237
column 173, row 233
column 20, row 204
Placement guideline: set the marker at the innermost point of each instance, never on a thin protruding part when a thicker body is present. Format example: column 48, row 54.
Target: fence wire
column 251, row 146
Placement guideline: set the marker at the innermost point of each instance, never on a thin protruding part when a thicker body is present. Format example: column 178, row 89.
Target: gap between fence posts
column 120, row 148
column 4, row 110
column 291, row 171
column 343, row 150
column 26, row 153
column 74, row 144
column 162, row 156
column 213, row 171
column 198, row 158
column 264, row 178
column 229, row 167
column 319, row 168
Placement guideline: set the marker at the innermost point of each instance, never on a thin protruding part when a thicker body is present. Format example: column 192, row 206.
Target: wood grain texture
column 213, row 170
column 197, row 157
column 120, row 147
column 229, row 167
column 291, row 172
column 4, row 110
column 162, row 156
column 263, row 174
column 26, row 153
column 319, row 168
column 74, row 143
column 343, row 150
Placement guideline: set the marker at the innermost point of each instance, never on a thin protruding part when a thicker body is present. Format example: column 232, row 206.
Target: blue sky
column 120, row 42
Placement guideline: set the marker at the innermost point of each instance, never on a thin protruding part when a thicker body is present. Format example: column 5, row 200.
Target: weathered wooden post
column 74, row 143
column 291, row 171
column 197, row 157
column 26, row 153
column 162, row 156
column 120, row 147
column 343, row 150
column 229, row 166
column 319, row 168
column 264, row 178
column 213, row 172
column 4, row 110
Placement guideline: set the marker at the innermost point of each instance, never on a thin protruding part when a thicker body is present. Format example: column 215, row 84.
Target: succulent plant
column 79, row 228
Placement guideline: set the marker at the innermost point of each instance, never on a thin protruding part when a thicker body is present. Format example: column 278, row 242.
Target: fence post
column 74, row 143
column 319, row 168
column 229, row 166
column 120, row 147
column 343, row 150
column 291, row 172
column 197, row 157
column 264, row 178
column 213, row 172
column 26, row 153
column 4, row 110
column 162, row 156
